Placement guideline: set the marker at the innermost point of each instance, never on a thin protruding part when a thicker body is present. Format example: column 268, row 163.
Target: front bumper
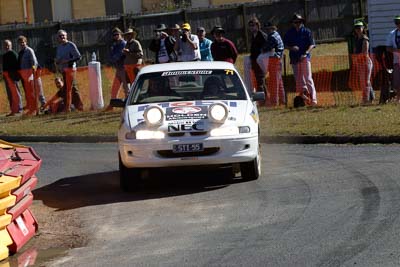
column 158, row 153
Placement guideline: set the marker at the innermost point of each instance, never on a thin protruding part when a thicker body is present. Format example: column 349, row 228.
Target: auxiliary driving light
column 218, row 112
column 154, row 115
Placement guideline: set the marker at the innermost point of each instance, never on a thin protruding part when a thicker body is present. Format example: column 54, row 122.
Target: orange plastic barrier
column 25, row 188
column 19, row 161
column 21, row 230
column 18, row 165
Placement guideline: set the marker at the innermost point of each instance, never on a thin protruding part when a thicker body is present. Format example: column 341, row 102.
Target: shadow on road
column 103, row 188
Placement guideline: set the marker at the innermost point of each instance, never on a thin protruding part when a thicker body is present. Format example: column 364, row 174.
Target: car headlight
column 223, row 131
column 145, row 134
column 218, row 112
column 153, row 115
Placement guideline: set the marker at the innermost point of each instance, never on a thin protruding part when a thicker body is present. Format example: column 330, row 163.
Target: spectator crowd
column 179, row 43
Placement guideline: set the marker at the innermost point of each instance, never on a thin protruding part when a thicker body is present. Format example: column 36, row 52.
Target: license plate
column 181, row 148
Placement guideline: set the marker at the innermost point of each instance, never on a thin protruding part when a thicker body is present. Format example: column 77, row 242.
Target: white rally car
column 188, row 114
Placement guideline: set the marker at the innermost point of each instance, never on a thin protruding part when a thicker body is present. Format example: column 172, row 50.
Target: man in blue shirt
column 67, row 55
column 205, row 45
column 117, row 61
column 300, row 42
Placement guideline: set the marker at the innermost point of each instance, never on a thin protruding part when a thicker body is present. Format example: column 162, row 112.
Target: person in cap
column 163, row 45
column 174, row 30
column 117, row 61
column 393, row 46
column 299, row 40
column 362, row 63
column 271, row 60
column 222, row 49
column 133, row 54
column 187, row 45
column 258, row 41
column 205, row 45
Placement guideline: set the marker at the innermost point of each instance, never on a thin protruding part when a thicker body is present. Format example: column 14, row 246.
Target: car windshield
column 188, row 85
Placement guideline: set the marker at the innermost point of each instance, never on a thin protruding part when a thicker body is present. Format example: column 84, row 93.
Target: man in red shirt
column 222, row 49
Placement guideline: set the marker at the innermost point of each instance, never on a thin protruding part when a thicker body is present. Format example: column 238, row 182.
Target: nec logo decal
column 185, row 127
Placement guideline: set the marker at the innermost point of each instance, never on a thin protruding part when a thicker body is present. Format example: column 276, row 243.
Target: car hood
column 189, row 113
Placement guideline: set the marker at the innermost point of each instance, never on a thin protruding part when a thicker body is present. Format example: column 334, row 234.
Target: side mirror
column 117, row 103
column 258, row 96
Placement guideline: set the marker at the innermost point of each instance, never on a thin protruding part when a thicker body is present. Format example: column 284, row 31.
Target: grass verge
column 382, row 120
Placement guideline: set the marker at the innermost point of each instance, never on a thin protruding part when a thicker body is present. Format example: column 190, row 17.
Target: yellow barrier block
column 7, row 202
column 5, row 220
column 5, row 241
column 5, row 264
column 4, row 253
column 7, row 145
column 8, row 183
column 4, row 146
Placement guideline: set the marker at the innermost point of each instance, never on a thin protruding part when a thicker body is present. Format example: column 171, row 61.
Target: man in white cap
column 393, row 46
column 188, row 45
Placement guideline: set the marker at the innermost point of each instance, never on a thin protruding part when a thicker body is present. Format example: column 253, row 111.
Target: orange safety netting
column 339, row 80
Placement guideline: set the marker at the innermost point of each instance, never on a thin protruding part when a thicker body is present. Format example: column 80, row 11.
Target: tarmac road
column 315, row 205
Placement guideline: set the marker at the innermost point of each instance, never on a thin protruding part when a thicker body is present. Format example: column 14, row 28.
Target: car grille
column 206, row 152
column 183, row 133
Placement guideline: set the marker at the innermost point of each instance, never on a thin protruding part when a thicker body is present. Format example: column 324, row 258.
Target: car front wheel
column 251, row 170
column 129, row 178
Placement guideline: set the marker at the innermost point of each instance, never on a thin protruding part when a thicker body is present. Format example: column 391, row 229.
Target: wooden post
column 361, row 7
column 245, row 27
column 305, row 9
column 123, row 22
column 185, row 16
column 285, row 79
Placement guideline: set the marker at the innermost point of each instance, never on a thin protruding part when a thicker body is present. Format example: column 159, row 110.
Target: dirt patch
column 57, row 228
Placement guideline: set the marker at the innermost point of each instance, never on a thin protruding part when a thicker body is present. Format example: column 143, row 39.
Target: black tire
column 129, row 178
column 251, row 170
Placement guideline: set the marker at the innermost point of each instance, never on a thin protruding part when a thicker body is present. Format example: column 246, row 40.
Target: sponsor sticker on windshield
column 186, row 72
